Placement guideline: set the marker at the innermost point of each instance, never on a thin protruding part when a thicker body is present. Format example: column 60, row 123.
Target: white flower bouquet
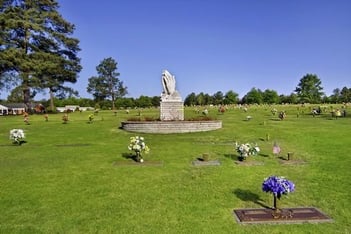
column 246, row 150
column 137, row 144
column 17, row 136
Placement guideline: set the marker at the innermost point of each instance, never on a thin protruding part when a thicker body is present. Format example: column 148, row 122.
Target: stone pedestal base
column 172, row 110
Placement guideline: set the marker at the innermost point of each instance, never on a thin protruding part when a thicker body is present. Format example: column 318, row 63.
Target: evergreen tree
column 36, row 45
column 107, row 83
column 309, row 89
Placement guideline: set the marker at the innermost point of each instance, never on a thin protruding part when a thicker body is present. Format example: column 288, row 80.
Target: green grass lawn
column 76, row 178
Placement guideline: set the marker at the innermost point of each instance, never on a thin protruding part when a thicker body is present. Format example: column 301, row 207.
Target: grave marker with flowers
column 91, row 118
column 278, row 186
column 17, row 136
column 246, row 150
column 137, row 144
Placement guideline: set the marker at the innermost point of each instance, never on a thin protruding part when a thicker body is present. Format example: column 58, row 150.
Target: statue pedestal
column 172, row 110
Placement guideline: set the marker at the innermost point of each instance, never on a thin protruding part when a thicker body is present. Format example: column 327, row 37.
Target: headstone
column 172, row 106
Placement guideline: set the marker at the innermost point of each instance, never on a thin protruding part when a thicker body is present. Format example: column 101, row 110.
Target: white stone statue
column 168, row 82
column 169, row 87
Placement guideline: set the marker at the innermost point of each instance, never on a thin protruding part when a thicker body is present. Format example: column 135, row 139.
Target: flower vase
column 276, row 213
column 275, row 202
column 241, row 158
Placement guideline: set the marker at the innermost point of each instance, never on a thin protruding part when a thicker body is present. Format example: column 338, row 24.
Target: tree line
column 254, row 96
column 38, row 54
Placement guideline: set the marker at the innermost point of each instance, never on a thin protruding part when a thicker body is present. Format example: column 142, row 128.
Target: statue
column 169, row 87
column 168, row 82
column 172, row 106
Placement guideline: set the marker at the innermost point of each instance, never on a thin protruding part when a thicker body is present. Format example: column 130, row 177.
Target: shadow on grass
column 275, row 119
column 283, row 158
column 130, row 156
column 14, row 144
column 231, row 156
column 263, row 155
column 246, row 195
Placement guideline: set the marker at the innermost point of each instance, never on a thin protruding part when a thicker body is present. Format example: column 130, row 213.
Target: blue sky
column 214, row 45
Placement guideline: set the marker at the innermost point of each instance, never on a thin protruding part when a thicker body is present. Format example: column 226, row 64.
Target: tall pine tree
column 107, row 84
column 36, row 45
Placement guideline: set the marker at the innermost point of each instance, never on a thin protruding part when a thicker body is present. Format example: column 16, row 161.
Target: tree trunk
column 52, row 101
column 26, row 96
column 113, row 102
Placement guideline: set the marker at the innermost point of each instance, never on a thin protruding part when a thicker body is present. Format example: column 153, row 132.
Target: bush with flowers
column 137, row 144
column 17, row 136
column 278, row 186
column 246, row 150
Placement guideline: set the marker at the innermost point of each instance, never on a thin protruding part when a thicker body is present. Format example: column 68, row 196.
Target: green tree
column 292, row 98
column 125, row 102
column 190, row 100
column 200, row 99
column 106, row 84
column 253, row 96
column 309, row 89
column 155, row 100
column 144, row 101
column 7, row 80
column 345, row 94
column 336, row 96
column 36, row 45
column 16, row 95
column 231, row 98
column 270, row 97
column 217, row 98
column 208, row 99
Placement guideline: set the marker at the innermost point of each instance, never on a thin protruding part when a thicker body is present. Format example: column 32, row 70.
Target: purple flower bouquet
column 278, row 186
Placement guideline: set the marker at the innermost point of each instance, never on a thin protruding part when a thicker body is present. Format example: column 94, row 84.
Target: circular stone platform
column 166, row 127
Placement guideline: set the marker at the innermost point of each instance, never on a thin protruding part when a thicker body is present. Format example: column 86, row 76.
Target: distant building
column 16, row 108
column 4, row 110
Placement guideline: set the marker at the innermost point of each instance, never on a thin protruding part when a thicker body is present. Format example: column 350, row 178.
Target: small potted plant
column 17, row 136
column 137, row 144
column 278, row 186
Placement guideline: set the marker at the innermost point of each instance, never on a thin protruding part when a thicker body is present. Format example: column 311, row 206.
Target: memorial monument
column 172, row 106
column 171, row 114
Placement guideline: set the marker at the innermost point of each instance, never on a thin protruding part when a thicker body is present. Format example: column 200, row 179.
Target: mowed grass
column 76, row 178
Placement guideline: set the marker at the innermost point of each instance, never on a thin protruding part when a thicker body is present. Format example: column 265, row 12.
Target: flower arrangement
column 17, row 136
column 91, row 118
column 65, row 118
column 137, row 144
column 246, row 150
column 274, row 111
column 278, row 186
